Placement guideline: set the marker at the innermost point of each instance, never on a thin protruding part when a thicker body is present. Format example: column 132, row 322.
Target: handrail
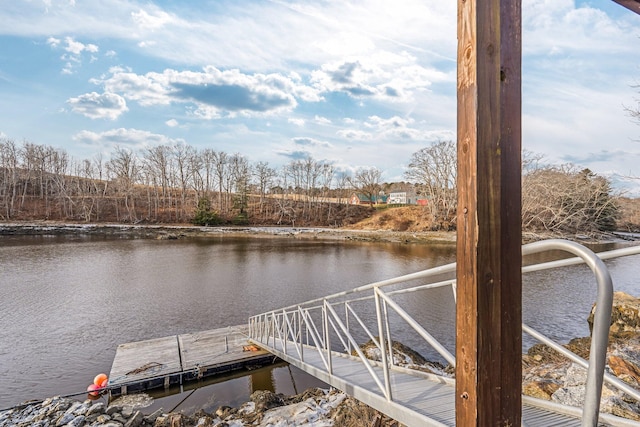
column 601, row 323
column 266, row 326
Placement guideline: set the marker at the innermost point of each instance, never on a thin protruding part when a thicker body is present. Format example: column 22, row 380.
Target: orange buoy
column 99, row 379
column 93, row 389
column 104, row 383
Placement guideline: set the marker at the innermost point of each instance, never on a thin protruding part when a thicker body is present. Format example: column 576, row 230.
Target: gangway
column 317, row 339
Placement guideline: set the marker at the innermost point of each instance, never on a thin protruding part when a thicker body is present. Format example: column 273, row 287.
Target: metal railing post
column 302, row 344
column 346, row 317
column 383, row 350
column 327, row 338
column 389, row 339
column 284, row 331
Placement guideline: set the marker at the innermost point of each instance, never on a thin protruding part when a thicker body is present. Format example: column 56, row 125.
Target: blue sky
column 358, row 84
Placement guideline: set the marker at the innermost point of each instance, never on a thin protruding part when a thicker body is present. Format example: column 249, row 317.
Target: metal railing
column 316, row 326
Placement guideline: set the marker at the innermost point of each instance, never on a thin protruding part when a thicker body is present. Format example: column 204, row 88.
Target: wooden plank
column 215, row 351
column 488, row 386
column 144, row 361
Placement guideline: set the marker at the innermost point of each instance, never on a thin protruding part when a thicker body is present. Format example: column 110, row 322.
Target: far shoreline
column 181, row 231
column 185, row 231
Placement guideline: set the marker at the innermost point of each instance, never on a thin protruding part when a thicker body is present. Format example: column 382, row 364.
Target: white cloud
column 76, row 47
column 172, row 123
column 382, row 76
column 149, row 89
column 395, row 128
column 297, row 122
column 151, row 21
column 123, row 136
column 74, row 51
column 355, row 134
column 213, row 92
column 53, row 42
column 311, row 142
column 322, row 120
column 391, row 130
column 99, row 106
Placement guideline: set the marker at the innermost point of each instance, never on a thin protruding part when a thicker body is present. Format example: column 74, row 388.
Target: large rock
column 625, row 369
column 625, row 316
column 548, row 375
column 265, row 399
column 406, row 357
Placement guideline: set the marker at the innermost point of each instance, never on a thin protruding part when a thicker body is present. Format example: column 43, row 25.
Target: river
column 67, row 302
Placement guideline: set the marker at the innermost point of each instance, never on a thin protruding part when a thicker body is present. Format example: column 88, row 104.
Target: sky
column 357, row 84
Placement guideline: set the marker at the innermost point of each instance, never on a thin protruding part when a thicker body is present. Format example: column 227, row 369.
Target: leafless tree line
column 555, row 199
column 167, row 183
column 164, row 184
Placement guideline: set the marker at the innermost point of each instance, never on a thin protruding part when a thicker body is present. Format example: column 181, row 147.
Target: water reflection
column 232, row 389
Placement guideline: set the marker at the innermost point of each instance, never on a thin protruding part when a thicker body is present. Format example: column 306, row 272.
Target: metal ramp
column 418, row 400
column 309, row 336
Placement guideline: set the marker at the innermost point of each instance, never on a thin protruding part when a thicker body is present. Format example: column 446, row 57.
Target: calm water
column 67, row 302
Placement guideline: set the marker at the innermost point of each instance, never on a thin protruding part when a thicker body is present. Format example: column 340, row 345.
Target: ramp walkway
column 318, row 340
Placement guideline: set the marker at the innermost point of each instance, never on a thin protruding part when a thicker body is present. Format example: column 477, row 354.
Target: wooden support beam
column 633, row 5
column 489, row 282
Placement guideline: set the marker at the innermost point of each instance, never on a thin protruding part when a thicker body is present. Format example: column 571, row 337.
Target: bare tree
column 343, row 182
column 240, row 176
column 183, row 155
column 264, row 176
column 434, row 171
column 221, row 162
column 208, row 157
column 124, row 168
column 157, row 165
column 327, row 173
column 634, row 112
column 367, row 182
column 566, row 199
column 8, row 177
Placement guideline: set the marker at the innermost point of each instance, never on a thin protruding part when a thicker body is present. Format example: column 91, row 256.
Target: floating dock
column 177, row 359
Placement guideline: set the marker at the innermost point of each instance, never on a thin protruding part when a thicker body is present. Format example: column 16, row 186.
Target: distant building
column 398, row 198
column 361, row 199
column 403, row 198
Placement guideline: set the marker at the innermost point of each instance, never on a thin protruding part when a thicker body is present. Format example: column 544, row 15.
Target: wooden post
column 489, row 282
column 633, row 5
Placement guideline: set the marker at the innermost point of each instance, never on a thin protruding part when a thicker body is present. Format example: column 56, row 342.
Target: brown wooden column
column 633, row 5
column 489, row 284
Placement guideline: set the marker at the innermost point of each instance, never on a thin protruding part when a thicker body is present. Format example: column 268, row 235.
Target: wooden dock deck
column 163, row 362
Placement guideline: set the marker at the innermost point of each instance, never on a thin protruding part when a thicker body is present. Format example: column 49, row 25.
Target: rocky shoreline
column 182, row 231
column 316, row 407
column 174, row 232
